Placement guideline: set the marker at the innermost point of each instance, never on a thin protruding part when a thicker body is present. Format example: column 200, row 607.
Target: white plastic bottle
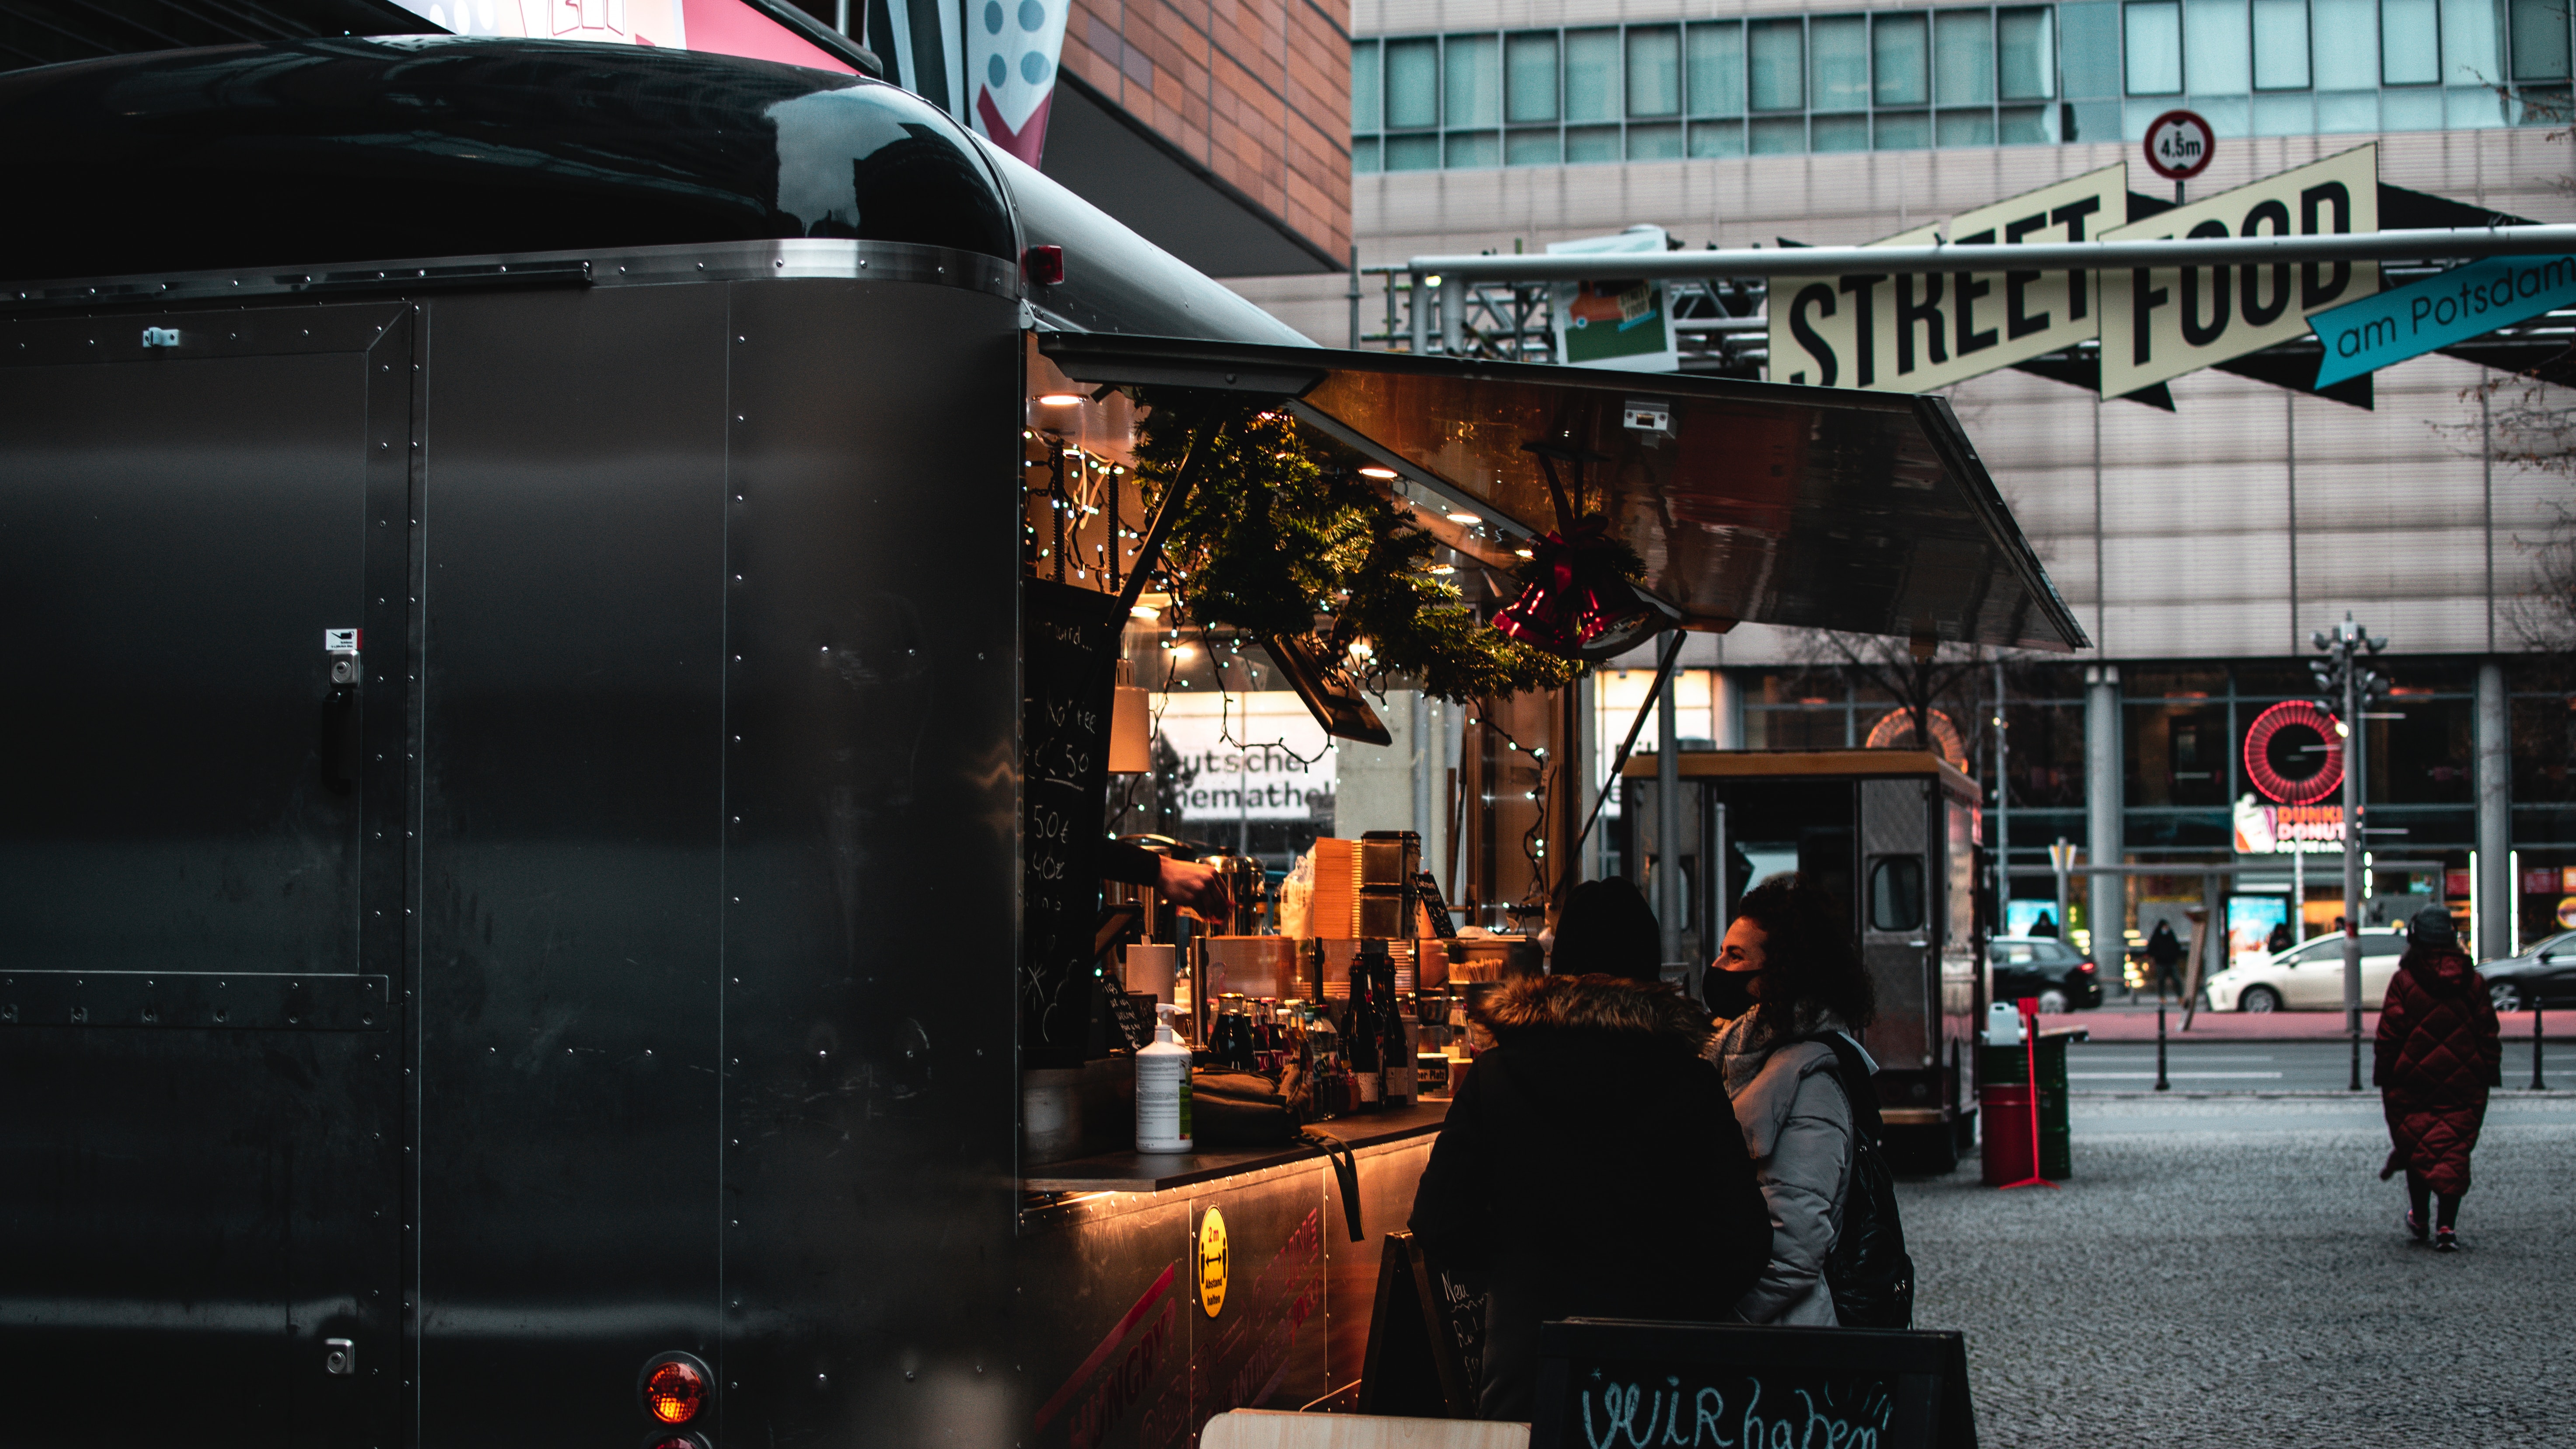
column 1163, row 1088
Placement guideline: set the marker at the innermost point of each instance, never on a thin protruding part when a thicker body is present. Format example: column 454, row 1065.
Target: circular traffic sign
column 2179, row 144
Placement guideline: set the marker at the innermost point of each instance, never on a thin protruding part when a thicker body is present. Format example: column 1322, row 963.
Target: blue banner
column 2452, row 306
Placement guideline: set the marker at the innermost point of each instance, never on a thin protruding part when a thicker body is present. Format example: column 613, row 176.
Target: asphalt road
column 2231, row 1273
column 2230, row 1066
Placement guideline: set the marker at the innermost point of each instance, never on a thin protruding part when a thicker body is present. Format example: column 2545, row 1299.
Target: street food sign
column 2443, row 309
column 2161, row 322
column 1914, row 332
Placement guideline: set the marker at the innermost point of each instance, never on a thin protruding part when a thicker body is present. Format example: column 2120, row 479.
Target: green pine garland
column 1270, row 543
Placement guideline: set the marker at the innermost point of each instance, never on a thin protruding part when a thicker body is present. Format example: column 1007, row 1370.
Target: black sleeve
column 1454, row 1203
column 1134, row 864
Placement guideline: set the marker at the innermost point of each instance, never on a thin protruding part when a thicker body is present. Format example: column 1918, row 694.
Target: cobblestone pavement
column 2233, row 1273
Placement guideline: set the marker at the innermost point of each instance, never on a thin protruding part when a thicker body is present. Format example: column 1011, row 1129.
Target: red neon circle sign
column 2306, row 789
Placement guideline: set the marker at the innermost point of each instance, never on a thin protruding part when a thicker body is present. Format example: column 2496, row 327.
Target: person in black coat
column 1590, row 1166
column 1607, row 929
column 2164, row 949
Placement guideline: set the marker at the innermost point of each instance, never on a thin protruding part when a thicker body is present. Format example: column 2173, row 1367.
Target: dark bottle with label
column 1396, row 1044
column 1367, row 1035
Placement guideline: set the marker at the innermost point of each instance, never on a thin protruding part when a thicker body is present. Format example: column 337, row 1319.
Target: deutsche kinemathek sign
column 2443, row 309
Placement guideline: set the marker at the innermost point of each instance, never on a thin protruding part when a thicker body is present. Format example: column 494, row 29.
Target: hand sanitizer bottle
column 1163, row 1088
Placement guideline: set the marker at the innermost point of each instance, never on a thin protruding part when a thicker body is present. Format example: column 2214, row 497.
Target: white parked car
column 2307, row 977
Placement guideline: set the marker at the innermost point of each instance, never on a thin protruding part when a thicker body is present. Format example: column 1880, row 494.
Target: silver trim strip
column 783, row 260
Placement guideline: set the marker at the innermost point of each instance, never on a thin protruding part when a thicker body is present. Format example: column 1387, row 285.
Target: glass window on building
column 1592, row 80
column 2410, row 43
column 1533, row 148
column 1529, row 78
column 2346, row 36
column 1964, row 128
column 1901, row 57
column 1655, row 72
column 1364, row 102
column 1716, row 78
column 2280, row 45
column 1592, row 143
column 1838, row 133
column 2153, row 47
column 1412, row 84
column 1963, row 57
column 2088, row 53
column 2540, row 40
column 2472, row 44
column 1779, row 66
column 2025, row 55
column 1654, row 143
column 1903, row 130
column 1838, row 68
column 2213, row 48
column 1471, row 84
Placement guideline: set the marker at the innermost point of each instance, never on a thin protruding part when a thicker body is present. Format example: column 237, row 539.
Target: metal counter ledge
column 1158, row 1171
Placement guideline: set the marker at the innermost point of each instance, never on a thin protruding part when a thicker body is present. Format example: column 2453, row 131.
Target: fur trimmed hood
column 1611, row 1005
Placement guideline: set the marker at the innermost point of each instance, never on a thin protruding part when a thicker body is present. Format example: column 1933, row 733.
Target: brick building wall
column 1260, row 95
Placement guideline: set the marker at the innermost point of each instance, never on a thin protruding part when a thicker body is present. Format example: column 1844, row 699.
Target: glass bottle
column 1367, row 1033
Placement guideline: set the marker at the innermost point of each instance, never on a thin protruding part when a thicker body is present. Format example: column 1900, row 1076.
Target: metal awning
column 1810, row 507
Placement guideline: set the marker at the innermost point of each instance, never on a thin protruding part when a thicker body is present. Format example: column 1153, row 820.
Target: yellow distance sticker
column 1214, row 1255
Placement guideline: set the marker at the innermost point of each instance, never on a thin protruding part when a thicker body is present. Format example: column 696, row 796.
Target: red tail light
column 675, row 1388
column 1043, row 265
column 2086, row 968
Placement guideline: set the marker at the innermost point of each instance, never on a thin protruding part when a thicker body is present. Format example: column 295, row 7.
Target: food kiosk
column 511, row 892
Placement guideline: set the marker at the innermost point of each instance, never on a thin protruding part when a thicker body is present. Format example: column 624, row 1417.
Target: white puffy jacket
column 1797, row 1126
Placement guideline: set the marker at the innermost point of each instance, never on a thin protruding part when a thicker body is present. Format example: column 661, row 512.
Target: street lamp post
column 2342, row 671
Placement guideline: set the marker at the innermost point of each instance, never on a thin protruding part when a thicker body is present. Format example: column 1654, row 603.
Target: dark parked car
column 2543, row 975
column 2050, row 970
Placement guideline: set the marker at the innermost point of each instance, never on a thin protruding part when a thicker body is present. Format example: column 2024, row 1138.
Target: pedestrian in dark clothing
column 1589, row 1166
column 1607, row 929
column 2280, row 940
column 2164, row 948
column 2436, row 1056
column 2046, row 926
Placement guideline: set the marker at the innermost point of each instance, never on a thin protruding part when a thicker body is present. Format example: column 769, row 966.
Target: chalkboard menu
column 1068, row 670
column 1721, row 1386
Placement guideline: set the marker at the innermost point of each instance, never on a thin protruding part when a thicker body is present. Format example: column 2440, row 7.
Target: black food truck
column 514, row 869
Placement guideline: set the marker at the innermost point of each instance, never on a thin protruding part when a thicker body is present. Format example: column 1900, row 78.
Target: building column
column 1725, row 710
column 2493, row 889
column 2106, row 897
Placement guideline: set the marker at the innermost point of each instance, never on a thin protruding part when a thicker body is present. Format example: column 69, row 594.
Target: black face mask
column 1728, row 993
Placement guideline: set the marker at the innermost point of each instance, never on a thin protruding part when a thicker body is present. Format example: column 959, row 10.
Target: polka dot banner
column 1012, row 49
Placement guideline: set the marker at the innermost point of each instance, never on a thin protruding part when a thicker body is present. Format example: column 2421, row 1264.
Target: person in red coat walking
column 2437, row 1054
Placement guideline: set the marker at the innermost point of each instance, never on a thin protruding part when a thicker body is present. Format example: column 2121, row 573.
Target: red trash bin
column 2004, row 1122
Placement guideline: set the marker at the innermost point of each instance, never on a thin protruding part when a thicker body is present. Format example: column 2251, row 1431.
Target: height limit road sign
column 2179, row 144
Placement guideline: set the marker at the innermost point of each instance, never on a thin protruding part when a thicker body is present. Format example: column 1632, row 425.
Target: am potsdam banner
column 1906, row 332
column 2159, row 323
column 2438, row 311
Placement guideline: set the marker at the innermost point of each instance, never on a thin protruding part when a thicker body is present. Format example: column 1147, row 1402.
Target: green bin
column 2009, row 1067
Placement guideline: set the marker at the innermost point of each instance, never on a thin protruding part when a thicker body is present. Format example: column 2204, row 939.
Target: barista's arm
column 1185, row 883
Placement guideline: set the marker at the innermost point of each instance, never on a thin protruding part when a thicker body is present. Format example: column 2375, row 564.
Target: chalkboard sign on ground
column 1730, row 1386
column 1068, row 670
column 1426, row 1337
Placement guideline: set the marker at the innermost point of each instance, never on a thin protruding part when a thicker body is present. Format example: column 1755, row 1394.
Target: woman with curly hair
column 1789, row 972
